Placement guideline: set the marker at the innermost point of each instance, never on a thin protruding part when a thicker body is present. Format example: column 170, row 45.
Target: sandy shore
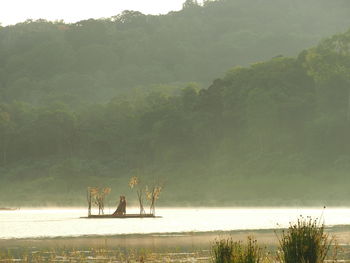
column 193, row 240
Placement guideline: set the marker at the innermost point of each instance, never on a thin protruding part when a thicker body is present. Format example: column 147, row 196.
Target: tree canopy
column 92, row 61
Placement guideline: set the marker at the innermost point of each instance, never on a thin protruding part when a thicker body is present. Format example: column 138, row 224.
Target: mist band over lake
column 51, row 223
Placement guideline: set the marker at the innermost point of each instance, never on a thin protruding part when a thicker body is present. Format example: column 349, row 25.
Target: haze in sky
column 15, row 11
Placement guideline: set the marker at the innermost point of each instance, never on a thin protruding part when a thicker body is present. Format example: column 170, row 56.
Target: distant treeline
column 272, row 133
column 94, row 60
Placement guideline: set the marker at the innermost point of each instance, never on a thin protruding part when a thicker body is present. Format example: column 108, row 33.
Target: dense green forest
column 99, row 101
column 94, row 60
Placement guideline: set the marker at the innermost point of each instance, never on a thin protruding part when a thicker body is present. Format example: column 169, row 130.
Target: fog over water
column 36, row 223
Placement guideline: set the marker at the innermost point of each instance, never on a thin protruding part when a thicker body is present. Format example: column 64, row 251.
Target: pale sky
column 14, row 11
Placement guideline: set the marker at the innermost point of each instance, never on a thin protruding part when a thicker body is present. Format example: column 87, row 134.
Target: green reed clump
column 228, row 251
column 223, row 250
column 305, row 242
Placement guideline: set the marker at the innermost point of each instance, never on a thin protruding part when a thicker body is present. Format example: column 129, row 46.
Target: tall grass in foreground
column 228, row 251
column 306, row 242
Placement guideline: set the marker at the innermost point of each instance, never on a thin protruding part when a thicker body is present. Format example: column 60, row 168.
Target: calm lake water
column 38, row 223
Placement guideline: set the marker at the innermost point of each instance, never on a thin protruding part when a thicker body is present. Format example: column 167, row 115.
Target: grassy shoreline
column 174, row 247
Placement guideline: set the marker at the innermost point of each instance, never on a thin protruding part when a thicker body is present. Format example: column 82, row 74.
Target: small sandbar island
column 96, row 196
column 123, row 216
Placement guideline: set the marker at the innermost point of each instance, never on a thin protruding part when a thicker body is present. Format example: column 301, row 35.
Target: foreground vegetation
column 303, row 242
column 100, row 255
column 283, row 122
column 306, row 241
column 227, row 251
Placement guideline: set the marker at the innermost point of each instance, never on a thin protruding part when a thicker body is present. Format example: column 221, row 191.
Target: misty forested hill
column 275, row 132
column 94, row 60
column 272, row 133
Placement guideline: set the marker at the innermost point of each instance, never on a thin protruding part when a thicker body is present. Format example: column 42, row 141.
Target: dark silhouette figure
column 121, row 209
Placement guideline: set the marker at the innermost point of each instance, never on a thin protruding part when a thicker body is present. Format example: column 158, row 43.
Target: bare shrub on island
column 152, row 195
column 135, row 183
column 96, row 195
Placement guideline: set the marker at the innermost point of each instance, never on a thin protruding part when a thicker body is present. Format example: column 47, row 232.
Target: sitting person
column 119, row 210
